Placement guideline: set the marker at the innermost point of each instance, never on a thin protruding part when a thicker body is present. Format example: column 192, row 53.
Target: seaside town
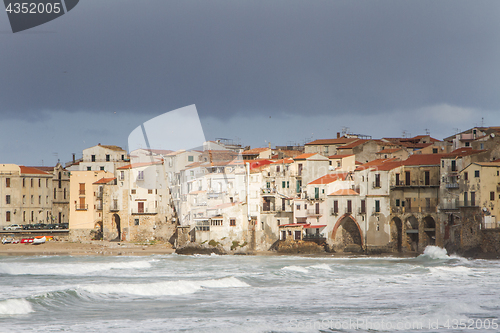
column 347, row 194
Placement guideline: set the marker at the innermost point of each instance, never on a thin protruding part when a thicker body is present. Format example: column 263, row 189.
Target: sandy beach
column 90, row 248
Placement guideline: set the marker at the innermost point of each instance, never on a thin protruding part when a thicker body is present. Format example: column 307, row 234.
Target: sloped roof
column 424, row 159
column 32, row 171
column 376, row 163
column 337, row 157
column 304, row 156
column 284, row 161
column 353, row 144
column 330, row 178
column 255, row 151
column 345, row 192
column 104, row 180
column 112, row 147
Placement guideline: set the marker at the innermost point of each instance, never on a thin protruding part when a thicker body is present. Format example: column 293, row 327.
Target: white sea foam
column 68, row 269
column 164, row 288
column 321, row 266
column 435, row 252
column 447, row 271
column 15, row 307
column 295, row 269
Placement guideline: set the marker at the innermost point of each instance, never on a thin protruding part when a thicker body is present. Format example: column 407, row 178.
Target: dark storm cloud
column 265, row 57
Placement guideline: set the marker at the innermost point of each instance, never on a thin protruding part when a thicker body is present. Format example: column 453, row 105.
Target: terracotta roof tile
column 330, row 178
column 304, row 156
column 354, row 144
column 32, row 171
column 345, row 192
column 104, row 180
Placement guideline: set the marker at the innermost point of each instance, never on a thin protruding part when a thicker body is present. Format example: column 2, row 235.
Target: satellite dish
column 492, row 135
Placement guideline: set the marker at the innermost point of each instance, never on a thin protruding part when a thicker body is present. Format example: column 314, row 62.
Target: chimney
column 338, row 135
column 269, row 145
column 74, row 158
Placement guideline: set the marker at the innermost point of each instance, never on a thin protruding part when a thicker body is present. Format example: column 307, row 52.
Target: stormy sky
column 257, row 71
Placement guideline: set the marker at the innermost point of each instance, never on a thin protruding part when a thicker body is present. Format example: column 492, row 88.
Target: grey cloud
column 262, row 57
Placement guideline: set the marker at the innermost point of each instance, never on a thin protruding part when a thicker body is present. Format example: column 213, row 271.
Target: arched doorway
column 412, row 232
column 430, row 230
column 347, row 235
column 397, row 233
column 116, row 224
column 97, row 230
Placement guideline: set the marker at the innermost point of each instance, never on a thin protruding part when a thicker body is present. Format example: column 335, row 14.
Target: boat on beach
column 39, row 240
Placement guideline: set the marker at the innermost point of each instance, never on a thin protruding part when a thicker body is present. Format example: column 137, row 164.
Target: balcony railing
column 114, row 208
column 136, row 211
column 313, row 236
column 81, row 207
column 334, row 211
column 99, row 195
column 314, row 212
column 452, row 185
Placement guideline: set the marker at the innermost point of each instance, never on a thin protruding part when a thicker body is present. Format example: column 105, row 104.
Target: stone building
column 25, row 195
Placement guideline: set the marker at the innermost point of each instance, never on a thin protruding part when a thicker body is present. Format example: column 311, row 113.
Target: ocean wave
column 295, row 269
column 18, row 306
column 68, row 269
column 165, row 288
column 321, row 266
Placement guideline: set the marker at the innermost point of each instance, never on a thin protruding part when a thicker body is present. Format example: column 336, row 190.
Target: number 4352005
column 33, row 8
column 472, row 324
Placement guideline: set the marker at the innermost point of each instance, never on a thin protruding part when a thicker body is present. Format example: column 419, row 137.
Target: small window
column 24, row 199
column 434, row 150
column 140, row 175
column 89, row 168
column 39, row 182
column 287, row 184
column 277, row 168
column 31, row 182
column 397, row 202
column 122, row 175
column 150, row 191
column 39, row 199
column 7, row 216
column 232, row 222
column 492, row 196
column 24, row 182
column 108, row 158
column 377, row 206
column 32, row 200
column 82, row 189
column 283, row 184
column 101, row 168
column 92, row 158
column 476, row 173
column 466, row 176
column 7, row 182
column 467, row 144
column 55, row 194
column 132, row 191
column 136, row 222
column 190, row 158
column 7, row 199
column 298, row 207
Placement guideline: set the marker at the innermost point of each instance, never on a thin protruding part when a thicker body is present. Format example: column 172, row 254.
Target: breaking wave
column 295, row 269
column 435, row 252
column 165, row 288
column 15, row 307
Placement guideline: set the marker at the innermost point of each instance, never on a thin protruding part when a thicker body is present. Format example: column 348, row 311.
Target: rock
column 194, row 248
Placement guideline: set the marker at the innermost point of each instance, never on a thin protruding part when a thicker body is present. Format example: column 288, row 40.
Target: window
column 122, row 175
column 136, row 221
column 39, row 199
column 363, row 206
column 7, row 182
column 467, row 144
column 82, row 189
column 298, row 207
column 24, row 216
column 24, row 199
column 482, row 146
column 132, row 191
column 377, row 206
column 277, row 168
column 7, row 216
column 283, row 184
column 150, row 191
column 89, row 168
column 377, row 180
column 140, row 175
column 190, row 158
column 232, row 222
column 453, row 165
column 24, row 182
column 492, row 196
column 442, row 163
column 32, row 200
column 64, row 193
column 7, row 199
column 92, row 158
column 101, row 168
column 476, row 173
column 123, row 157
column 349, row 206
column 466, row 176
column 335, row 207
column 434, row 150
column 287, row 184
column 39, row 182
column 47, row 199
column 31, row 182
column 107, row 158
column 397, row 202
column 54, row 194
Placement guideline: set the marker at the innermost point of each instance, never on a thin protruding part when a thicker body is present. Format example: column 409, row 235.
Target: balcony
column 81, row 207
column 314, row 212
column 361, row 211
column 114, row 208
column 99, row 205
column 452, row 185
column 99, row 195
column 145, row 211
column 334, row 211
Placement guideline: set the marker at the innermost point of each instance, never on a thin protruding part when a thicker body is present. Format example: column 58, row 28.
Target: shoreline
column 106, row 248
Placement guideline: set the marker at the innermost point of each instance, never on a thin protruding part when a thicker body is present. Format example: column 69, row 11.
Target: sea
column 434, row 292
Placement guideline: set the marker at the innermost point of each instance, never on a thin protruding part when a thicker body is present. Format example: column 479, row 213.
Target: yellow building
column 84, row 215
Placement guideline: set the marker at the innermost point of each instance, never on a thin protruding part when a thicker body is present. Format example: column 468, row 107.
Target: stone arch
column 411, row 227
column 347, row 234
column 429, row 230
column 396, row 226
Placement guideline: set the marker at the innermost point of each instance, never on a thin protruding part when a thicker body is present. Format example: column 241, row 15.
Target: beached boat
column 39, row 240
